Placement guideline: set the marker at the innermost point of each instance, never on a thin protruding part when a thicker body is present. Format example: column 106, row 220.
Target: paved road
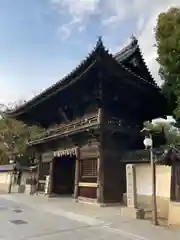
column 19, row 221
column 37, row 217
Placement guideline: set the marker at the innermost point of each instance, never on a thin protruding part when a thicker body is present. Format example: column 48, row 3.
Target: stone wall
column 144, row 180
column 144, row 188
column 144, row 202
column 4, row 181
column 174, row 213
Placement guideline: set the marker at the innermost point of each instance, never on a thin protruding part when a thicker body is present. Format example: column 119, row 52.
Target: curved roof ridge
column 83, row 64
column 153, row 83
column 146, row 66
column 127, row 50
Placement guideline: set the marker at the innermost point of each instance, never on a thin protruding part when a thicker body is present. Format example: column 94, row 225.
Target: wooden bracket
column 67, row 121
column 64, row 115
column 93, row 134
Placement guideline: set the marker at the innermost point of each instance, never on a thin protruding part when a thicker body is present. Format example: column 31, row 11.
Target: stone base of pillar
column 134, row 213
column 100, row 197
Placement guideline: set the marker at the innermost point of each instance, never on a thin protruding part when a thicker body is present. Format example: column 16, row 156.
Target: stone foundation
column 145, row 202
column 130, row 212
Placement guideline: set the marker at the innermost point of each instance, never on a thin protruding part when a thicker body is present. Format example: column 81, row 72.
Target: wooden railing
column 87, row 121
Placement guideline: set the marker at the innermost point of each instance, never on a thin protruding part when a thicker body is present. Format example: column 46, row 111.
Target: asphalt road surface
column 19, row 221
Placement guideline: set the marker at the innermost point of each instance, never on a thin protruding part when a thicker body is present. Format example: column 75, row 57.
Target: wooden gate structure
column 96, row 113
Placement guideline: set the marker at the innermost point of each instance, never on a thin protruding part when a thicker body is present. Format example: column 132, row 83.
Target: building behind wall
column 18, row 178
column 167, row 183
column 143, row 178
column 95, row 113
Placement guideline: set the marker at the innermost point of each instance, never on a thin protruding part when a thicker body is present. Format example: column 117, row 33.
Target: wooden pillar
column 51, row 168
column 77, row 174
column 100, row 181
column 100, row 159
column 39, row 159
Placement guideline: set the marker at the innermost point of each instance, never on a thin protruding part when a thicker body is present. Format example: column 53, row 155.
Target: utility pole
column 153, row 169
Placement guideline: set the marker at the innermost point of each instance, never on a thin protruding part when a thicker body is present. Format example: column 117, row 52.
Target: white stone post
column 131, row 186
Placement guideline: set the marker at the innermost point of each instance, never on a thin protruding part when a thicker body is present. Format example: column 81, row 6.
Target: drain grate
column 17, row 210
column 18, row 222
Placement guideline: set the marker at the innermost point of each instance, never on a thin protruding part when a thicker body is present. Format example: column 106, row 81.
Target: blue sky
column 42, row 40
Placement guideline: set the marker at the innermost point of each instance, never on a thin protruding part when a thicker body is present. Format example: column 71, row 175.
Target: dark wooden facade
column 94, row 115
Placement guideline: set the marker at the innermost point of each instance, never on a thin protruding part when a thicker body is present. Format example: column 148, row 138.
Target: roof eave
column 128, row 51
column 92, row 57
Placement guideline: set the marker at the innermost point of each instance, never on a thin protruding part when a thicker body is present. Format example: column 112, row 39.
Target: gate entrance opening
column 64, row 175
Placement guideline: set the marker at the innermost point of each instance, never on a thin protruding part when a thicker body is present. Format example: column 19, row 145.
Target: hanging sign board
column 65, row 152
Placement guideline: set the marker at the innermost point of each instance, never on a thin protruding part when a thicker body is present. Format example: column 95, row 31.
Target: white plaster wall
column 144, row 180
column 26, row 175
column 4, row 177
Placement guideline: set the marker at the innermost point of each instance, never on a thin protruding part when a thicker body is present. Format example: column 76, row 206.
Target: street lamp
column 148, row 143
column 11, row 162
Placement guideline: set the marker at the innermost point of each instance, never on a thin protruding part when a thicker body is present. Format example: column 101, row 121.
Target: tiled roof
column 75, row 74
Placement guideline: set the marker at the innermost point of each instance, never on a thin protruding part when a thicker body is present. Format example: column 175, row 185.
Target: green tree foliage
column 13, row 138
column 171, row 133
column 167, row 34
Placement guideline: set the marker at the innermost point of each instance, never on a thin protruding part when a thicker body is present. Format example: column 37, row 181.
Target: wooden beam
column 39, row 168
column 51, row 168
column 87, row 184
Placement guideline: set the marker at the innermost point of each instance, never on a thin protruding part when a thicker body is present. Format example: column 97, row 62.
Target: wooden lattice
column 89, row 168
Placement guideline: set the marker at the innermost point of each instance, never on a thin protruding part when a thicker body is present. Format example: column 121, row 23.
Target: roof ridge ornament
column 134, row 40
column 99, row 42
column 99, row 49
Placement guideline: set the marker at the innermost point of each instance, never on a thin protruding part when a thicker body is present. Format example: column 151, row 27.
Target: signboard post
column 131, row 186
